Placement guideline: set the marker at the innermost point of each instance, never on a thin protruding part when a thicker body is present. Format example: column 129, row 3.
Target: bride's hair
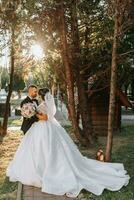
column 42, row 92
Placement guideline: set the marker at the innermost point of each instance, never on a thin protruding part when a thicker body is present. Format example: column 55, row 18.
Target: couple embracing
column 49, row 159
column 31, row 98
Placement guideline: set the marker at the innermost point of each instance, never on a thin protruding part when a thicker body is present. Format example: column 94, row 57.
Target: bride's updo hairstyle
column 42, row 92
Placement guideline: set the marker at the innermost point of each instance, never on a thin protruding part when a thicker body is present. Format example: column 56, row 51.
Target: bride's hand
column 42, row 116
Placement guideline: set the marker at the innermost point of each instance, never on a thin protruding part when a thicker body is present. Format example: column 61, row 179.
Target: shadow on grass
column 125, row 155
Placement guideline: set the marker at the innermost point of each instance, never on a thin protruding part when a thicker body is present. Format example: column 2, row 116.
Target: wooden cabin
column 98, row 107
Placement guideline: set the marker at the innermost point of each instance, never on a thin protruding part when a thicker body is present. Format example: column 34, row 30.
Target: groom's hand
column 42, row 116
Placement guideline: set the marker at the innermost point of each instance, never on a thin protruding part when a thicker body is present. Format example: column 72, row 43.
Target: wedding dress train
column 48, row 158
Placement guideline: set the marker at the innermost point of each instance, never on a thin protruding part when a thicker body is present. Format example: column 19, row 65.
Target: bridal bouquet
column 28, row 110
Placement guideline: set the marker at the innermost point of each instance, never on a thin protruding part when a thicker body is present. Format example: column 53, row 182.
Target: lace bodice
column 42, row 108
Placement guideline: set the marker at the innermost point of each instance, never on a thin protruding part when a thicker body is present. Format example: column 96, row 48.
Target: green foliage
column 38, row 21
column 4, row 77
column 18, row 83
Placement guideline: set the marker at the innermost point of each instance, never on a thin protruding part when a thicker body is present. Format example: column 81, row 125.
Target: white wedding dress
column 48, row 158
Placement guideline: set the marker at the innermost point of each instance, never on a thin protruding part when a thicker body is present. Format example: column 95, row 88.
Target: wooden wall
column 99, row 105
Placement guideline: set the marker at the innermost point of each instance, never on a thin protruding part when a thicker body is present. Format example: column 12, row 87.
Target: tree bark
column 5, row 121
column 82, row 97
column 132, row 88
column 69, row 76
column 112, row 88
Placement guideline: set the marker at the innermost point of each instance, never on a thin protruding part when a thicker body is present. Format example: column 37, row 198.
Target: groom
column 31, row 98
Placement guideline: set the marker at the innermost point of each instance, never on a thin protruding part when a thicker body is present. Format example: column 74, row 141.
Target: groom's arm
column 23, row 102
column 34, row 118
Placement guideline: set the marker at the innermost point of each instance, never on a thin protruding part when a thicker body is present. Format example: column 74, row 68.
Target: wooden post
column 19, row 191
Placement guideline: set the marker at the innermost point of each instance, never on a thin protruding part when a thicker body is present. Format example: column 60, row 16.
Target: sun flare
column 37, row 51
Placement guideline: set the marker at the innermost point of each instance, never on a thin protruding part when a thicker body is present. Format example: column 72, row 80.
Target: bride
column 48, row 158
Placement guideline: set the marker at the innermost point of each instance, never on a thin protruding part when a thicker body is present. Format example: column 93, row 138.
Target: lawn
column 123, row 151
column 7, row 150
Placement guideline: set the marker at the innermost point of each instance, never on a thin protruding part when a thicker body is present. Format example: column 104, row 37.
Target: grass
column 123, row 151
column 13, row 122
column 7, row 150
column 129, row 111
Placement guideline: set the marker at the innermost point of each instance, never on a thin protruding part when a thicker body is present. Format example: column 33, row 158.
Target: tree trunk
column 5, row 121
column 83, row 103
column 112, row 89
column 132, row 88
column 69, row 76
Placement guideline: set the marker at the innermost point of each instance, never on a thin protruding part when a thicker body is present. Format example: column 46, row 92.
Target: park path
column 32, row 193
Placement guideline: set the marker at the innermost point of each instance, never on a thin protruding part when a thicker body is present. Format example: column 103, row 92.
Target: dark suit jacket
column 27, row 122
